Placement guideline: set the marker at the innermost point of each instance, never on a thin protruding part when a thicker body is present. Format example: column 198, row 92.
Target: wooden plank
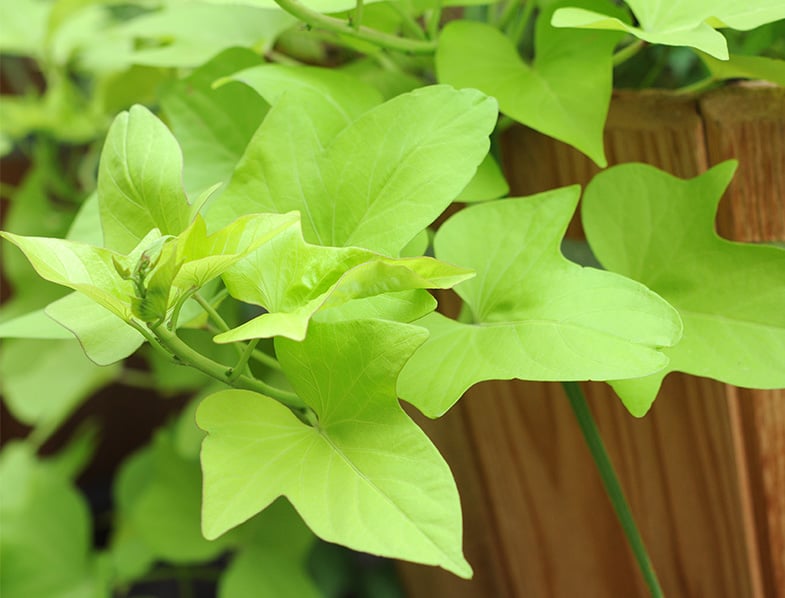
column 748, row 123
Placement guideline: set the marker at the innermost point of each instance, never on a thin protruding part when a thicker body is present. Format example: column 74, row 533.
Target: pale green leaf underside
column 659, row 230
column 677, row 23
column 81, row 267
column 375, row 183
column 140, row 181
column 308, row 278
column 565, row 93
column 104, row 337
column 536, row 316
column 366, row 477
column 34, row 325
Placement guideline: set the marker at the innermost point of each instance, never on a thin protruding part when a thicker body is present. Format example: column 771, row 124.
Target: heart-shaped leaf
column 677, row 23
column 658, row 229
column 375, row 183
column 308, row 278
column 564, row 93
column 534, row 314
column 365, row 476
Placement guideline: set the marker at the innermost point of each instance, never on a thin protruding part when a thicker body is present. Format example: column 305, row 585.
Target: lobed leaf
column 534, row 314
column 365, row 476
column 374, row 182
column 659, row 230
column 308, row 278
column 564, row 93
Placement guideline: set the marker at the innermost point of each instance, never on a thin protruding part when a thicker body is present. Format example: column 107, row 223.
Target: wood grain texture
column 748, row 123
column 704, row 470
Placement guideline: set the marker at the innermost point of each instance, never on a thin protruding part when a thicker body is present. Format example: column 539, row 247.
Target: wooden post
column 704, row 471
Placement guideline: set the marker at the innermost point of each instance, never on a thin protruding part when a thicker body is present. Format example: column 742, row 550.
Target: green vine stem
column 612, row 485
column 167, row 341
column 242, row 364
column 378, row 38
column 519, row 28
column 628, row 52
column 698, row 86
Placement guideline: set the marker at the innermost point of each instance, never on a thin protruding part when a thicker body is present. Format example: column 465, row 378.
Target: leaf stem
column 628, row 52
column 522, row 24
column 378, row 38
column 167, row 341
column 612, row 485
column 357, row 18
column 266, row 359
column 211, row 312
column 508, row 13
column 409, row 24
column 434, row 20
column 174, row 345
column 698, row 86
column 242, row 364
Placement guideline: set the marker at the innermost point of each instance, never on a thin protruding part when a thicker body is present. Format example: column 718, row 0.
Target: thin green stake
column 612, row 485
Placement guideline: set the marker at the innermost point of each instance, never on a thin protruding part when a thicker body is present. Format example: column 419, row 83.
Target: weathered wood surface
column 704, row 471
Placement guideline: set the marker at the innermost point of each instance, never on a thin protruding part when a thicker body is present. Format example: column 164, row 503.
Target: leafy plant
column 270, row 228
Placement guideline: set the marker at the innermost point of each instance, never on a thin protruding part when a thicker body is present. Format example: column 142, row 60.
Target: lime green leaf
column 403, row 306
column 104, row 337
column 488, row 183
column 565, row 93
column 90, row 270
column 348, row 94
column 273, row 560
column 378, row 182
column 30, row 213
column 203, row 257
column 43, row 381
column 24, row 26
column 403, row 502
column 659, row 230
column 86, row 225
column 307, row 278
column 319, row 105
column 35, row 324
column 46, row 539
column 190, row 33
column 535, row 315
column 676, row 23
column 323, row 6
column 158, row 495
column 213, row 126
column 746, row 67
column 140, row 181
